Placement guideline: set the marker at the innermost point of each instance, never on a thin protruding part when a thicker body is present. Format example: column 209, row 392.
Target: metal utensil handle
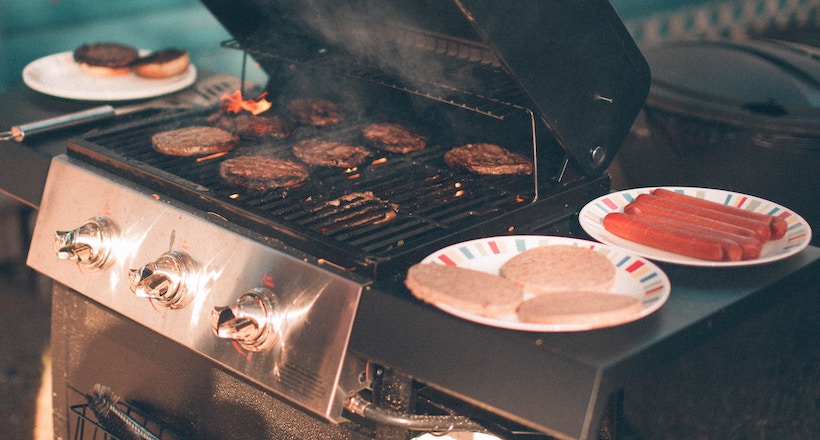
column 19, row 132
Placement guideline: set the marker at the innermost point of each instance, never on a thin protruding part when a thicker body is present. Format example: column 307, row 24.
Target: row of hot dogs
column 694, row 227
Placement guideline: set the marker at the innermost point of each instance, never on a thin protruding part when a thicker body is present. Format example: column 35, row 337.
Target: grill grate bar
column 405, row 201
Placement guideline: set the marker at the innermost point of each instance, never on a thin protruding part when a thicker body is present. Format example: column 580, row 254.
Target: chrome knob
column 168, row 280
column 89, row 245
column 252, row 321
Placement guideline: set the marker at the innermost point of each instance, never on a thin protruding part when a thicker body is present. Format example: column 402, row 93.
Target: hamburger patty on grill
column 330, row 153
column 195, row 140
column 393, row 138
column 489, row 159
column 263, row 172
column 317, row 112
column 247, row 125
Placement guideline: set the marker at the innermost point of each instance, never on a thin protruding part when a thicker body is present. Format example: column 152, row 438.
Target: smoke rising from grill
column 395, row 41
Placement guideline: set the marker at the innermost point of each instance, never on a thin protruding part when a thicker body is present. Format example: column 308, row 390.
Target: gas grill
column 258, row 291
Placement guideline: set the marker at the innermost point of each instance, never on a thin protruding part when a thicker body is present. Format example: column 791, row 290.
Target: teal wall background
column 30, row 29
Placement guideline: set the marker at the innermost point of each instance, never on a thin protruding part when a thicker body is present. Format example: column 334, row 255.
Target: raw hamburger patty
column 579, row 307
column 253, row 126
column 487, row 159
column 317, row 112
column 195, row 140
column 330, row 153
column 468, row 290
column 112, row 55
column 263, row 172
column 560, row 268
column 393, row 138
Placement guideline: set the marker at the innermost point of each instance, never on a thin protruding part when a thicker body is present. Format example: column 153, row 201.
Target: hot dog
column 644, row 207
column 758, row 226
column 670, row 239
column 750, row 246
column 777, row 226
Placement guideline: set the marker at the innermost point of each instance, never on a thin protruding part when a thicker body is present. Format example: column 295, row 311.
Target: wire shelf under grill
column 87, row 426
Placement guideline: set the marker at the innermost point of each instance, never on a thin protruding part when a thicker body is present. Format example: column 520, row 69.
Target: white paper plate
column 59, row 75
column 457, row 436
column 796, row 239
column 634, row 276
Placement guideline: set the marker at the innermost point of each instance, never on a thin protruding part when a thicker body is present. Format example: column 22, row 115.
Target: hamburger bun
column 560, row 268
column 105, row 59
column 163, row 64
column 579, row 307
column 468, row 290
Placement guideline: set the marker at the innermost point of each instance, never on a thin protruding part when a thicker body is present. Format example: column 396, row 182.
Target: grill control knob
column 168, row 280
column 252, row 321
column 89, row 245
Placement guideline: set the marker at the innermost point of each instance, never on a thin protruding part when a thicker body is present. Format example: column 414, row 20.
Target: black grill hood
column 572, row 65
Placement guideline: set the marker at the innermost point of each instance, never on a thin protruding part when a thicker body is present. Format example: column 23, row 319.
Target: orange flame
column 211, row 156
column 235, row 104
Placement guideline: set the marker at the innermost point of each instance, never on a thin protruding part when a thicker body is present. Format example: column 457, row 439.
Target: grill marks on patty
column 490, row 159
column 330, row 153
column 394, row 138
column 316, row 112
column 263, row 172
column 246, row 125
column 195, row 140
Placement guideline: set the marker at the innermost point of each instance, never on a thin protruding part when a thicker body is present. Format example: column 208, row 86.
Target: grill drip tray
column 433, row 205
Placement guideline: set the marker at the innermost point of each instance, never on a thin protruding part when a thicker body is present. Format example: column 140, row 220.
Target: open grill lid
column 572, row 64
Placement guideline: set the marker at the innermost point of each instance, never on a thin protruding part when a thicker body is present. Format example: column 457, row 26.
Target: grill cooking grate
column 416, row 199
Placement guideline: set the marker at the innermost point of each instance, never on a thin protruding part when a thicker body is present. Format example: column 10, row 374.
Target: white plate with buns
column 632, row 277
column 59, row 75
column 797, row 237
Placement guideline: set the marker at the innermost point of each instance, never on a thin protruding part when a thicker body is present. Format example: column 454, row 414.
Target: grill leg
column 393, row 391
column 612, row 421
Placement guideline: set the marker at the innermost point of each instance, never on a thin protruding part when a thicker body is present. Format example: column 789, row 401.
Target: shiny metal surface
column 315, row 305
column 252, row 321
column 88, row 245
column 166, row 280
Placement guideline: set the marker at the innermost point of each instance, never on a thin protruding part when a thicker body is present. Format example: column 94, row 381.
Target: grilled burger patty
column 263, row 172
column 195, row 140
column 254, row 126
column 317, row 112
column 490, row 159
column 330, row 153
column 112, row 55
column 393, row 138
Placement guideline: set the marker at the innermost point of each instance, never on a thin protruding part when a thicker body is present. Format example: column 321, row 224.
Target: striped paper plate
column 797, row 237
column 634, row 276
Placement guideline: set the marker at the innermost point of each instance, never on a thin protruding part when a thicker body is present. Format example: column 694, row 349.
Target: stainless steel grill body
column 315, row 305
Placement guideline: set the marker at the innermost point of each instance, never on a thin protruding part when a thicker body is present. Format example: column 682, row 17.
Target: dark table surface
column 554, row 381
